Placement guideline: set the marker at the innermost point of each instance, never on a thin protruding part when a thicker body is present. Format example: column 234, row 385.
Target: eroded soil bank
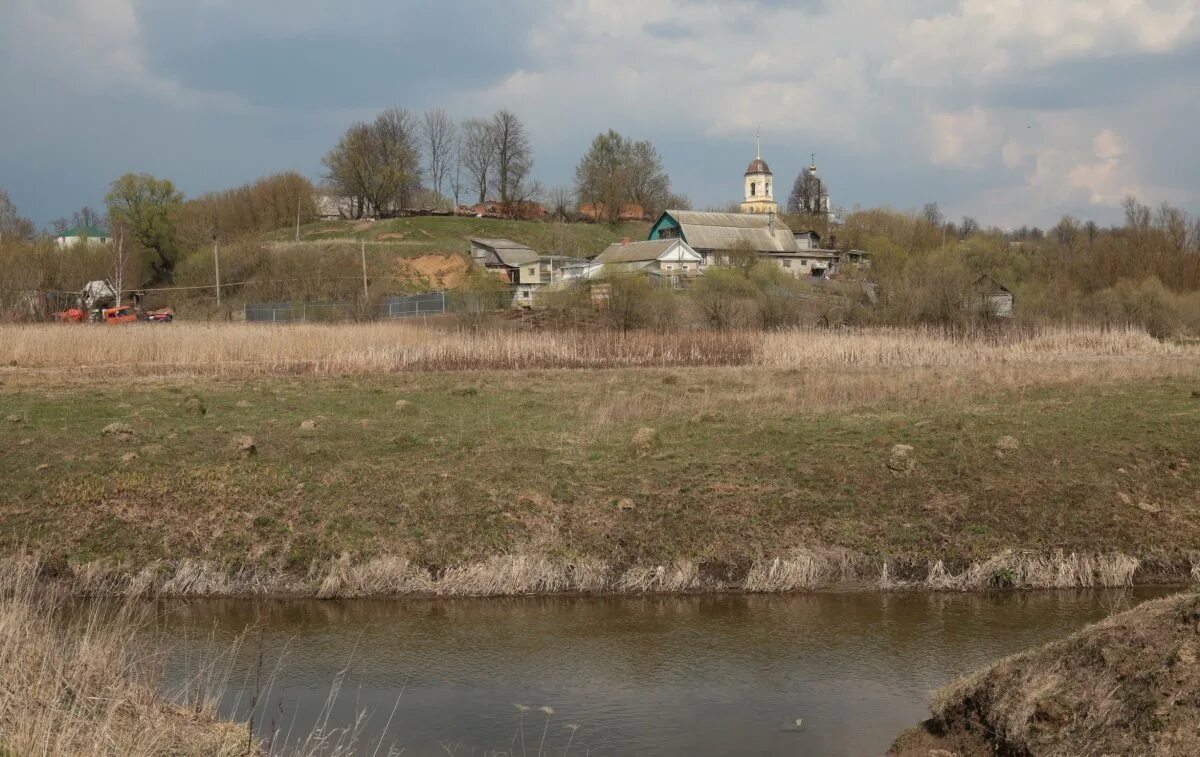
column 1129, row 684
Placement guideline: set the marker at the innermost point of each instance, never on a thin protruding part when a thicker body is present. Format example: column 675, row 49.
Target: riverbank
column 82, row 685
column 1126, row 685
column 825, row 460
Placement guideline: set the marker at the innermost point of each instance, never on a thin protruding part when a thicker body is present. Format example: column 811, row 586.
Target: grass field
column 427, row 234
column 1083, row 443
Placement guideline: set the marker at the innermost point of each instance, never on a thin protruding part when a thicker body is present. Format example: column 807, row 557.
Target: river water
column 708, row 675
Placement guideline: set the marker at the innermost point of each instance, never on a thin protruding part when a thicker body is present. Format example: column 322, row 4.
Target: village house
column 89, row 236
column 989, row 297
column 715, row 235
column 669, row 262
column 502, row 258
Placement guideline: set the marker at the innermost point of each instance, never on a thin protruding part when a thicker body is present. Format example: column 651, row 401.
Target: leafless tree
column 514, row 161
column 808, row 193
column 12, row 224
column 477, row 152
column 560, row 201
column 439, row 133
column 454, row 174
column 646, row 179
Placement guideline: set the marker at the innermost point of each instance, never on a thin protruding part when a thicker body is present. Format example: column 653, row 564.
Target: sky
column 1011, row 111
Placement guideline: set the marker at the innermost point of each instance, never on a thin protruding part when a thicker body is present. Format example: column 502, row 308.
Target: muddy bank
column 1127, row 685
column 518, row 575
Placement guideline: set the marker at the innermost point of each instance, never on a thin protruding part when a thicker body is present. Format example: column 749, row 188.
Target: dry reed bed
column 255, row 349
column 802, row 569
column 79, row 686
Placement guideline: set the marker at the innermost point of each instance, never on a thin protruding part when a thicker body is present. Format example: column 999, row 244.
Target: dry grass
column 79, row 685
column 801, row 569
column 1126, row 685
column 254, row 349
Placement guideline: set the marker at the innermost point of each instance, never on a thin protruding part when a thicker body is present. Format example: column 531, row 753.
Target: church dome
column 758, row 165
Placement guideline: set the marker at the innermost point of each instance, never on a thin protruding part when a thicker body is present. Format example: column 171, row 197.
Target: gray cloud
column 1013, row 117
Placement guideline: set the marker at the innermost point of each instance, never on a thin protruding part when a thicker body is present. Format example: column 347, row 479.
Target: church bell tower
column 759, row 181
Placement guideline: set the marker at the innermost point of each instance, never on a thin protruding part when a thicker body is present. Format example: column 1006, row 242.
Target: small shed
column 990, row 297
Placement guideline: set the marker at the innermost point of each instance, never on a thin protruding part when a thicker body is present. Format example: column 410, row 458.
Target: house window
column 752, row 187
column 768, row 192
column 670, row 232
column 786, row 263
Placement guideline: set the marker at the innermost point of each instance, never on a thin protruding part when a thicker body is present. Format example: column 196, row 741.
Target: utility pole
column 298, row 198
column 363, row 250
column 217, row 268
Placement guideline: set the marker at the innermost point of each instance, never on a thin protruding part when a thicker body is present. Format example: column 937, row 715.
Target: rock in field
column 1006, row 444
column 308, row 425
column 118, row 430
column 14, row 419
column 644, row 440
column 403, row 406
column 245, row 446
column 901, row 461
column 129, row 457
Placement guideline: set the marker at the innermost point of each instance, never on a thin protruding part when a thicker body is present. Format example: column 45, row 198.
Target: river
column 703, row 675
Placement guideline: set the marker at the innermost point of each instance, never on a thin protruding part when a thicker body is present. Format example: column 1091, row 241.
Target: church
column 760, row 195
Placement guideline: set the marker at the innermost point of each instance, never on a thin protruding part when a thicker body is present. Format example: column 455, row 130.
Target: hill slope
column 425, row 234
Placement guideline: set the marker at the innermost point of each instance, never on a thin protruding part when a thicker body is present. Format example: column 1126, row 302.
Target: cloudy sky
column 1012, row 111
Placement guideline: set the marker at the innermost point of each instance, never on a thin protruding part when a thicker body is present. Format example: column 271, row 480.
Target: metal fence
column 430, row 303
column 409, row 306
column 296, row 312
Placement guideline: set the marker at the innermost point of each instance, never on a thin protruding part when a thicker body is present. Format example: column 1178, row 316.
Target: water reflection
column 644, row 675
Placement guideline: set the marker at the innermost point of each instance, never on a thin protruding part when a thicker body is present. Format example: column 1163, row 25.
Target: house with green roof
column 82, row 235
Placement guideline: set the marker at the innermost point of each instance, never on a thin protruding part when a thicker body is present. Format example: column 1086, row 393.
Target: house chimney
column 625, row 241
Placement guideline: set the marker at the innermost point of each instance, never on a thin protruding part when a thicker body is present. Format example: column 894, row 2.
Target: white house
column 85, row 235
column 668, row 260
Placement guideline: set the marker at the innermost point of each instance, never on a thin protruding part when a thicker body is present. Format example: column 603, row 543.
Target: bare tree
column 477, row 152
column 809, row 194
column 968, row 227
column 12, row 224
column 514, row 161
column 646, row 180
column 933, row 215
column 454, row 174
column 560, row 200
column 438, row 132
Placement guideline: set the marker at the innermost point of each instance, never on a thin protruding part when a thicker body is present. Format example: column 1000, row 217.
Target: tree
column 969, row 226
column 646, row 180
column 933, row 215
column 377, row 164
column 12, row 224
column 616, row 172
column 808, row 193
column 1067, row 231
column 600, row 176
column 146, row 207
column 455, row 174
column 477, row 153
column 514, row 161
column 439, row 135
column 559, row 202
